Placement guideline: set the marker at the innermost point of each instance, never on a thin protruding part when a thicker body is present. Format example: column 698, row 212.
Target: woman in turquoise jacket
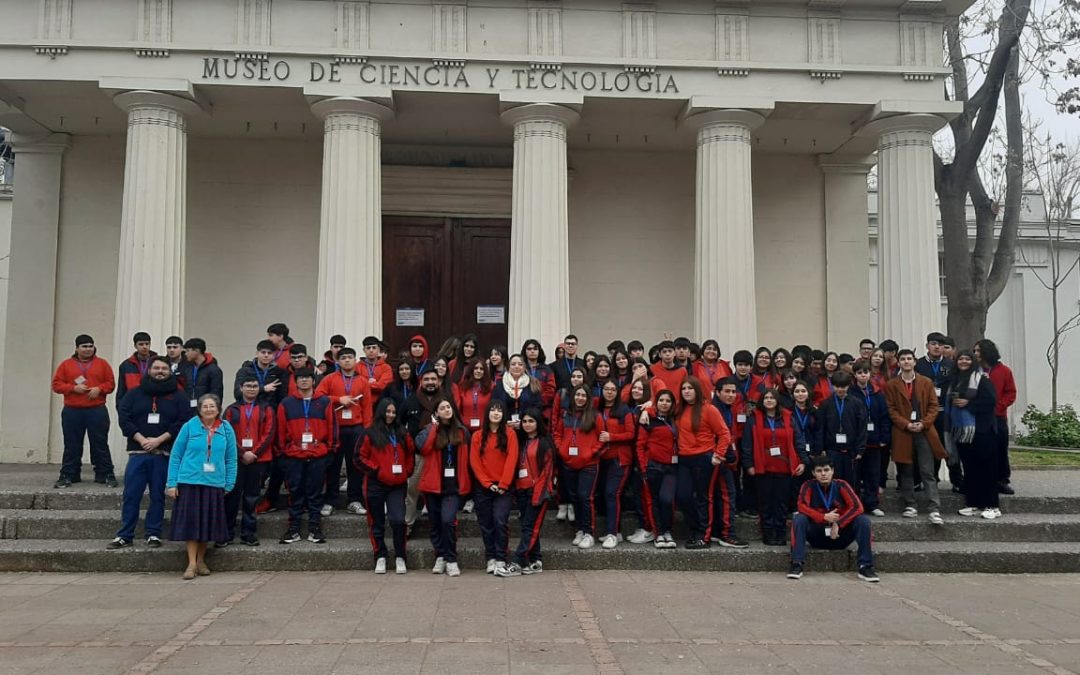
column 202, row 468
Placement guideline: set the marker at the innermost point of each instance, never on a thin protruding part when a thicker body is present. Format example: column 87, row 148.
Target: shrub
column 1049, row 429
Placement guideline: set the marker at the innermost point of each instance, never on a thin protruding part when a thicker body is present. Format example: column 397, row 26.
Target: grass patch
column 1043, row 458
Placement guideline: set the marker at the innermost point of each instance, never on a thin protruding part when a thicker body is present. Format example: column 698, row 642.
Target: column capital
column 540, row 112
column 49, row 144
column 916, row 122
column 145, row 98
column 846, row 164
column 337, row 105
column 748, row 119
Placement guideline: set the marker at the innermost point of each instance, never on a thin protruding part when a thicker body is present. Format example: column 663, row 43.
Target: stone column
column 350, row 225
column 31, row 310
column 539, row 239
column 150, row 276
column 909, row 304
column 725, row 306
column 847, row 250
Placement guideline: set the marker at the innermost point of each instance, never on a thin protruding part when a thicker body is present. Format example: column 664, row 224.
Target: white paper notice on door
column 409, row 316
column 490, row 314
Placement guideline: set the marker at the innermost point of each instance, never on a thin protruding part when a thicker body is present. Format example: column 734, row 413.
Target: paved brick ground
column 557, row 622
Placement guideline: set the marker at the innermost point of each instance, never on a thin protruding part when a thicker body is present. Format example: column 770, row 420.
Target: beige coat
column 900, row 413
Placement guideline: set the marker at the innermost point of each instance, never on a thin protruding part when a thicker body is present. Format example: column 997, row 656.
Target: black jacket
column 170, row 404
column 852, row 425
column 250, row 370
column 204, row 379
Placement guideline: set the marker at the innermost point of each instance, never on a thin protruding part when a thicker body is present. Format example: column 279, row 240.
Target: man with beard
column 416, row 414
column 150, row 416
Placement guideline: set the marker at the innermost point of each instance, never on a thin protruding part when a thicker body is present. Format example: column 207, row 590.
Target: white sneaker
column 878, row 512
column 910, row 512
column 936, row 519
column 469, row 506
column 533, row 568
column 641, row 536
column 586, row 541
column 452, row 569
column 577, row 538
column 991, row 514
column 344, row 485
column 380, row 566
column 399, row 566
column 669, row 541
column 561, row 514
column 570, row 513
column 609, row 541
column 969, row 511
column 500, row 569
column 491, row 565
column 356, row 508
column 440, row 566
column 326, row 510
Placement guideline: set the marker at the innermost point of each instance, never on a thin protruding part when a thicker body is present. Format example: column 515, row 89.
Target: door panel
column 482, row 277
column 414, row 271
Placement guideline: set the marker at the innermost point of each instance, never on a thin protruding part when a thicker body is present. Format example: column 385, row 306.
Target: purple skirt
column 199, row 514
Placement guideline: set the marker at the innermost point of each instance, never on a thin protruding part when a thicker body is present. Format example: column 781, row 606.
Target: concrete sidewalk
column 557, row 622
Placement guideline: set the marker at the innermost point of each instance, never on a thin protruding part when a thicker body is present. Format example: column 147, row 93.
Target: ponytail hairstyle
column 500, row 433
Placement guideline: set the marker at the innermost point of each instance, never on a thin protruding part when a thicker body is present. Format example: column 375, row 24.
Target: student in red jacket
column 559, row 405
column 725, row 399
column 710, row 369
column 831, row 517
column 657, row 448
column 768, row 451
column 637, row 498
column 493, row 458
column 538, row 370
column 535, row 471
column 378, row 372
column 472, row 393
column 133, row 368
column 306, row 436
column 703, row 441
column 1005, row 390
column 617, row 434
column 278, row 333
column 444, row 478
column 253, row 421
column 350, row 394
column 85, row 381
column 387, row 457
column 667, row 369
column 577, row 436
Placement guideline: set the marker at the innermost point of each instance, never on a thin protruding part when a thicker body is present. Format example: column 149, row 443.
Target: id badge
column 914, row 416
column 194, row 403
column 774, row 452
column 869, row 426
column 396, row 468
column 523, row 473
column 808, row 451
column 448, row 472
column 346, row 414
column 208, row 467
column 674, row 459
column 371, row 380
column 307, row 438
column 474, row 423
column 80, row 380
column 741, row 419
column 247, row 443
column 515, row 418
column 841, row 439
column 153, row 418
column 937, row 390
column 573, row 451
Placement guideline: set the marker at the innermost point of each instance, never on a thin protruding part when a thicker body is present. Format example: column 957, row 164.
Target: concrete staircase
column 42, row 529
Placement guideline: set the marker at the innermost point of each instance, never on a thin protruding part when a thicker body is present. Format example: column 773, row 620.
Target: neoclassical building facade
column 521, row 168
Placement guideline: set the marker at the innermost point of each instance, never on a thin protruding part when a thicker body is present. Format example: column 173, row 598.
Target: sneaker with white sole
column 867, row 573
column 356, row 508
column 570, row 513
column 641, row 536
column 153, row 541
column 609, row 541
column 878, row 513
column 577, row 538
column 561, row 513
column 380, row 566
column 469, row 506
column 936, row 519
column 910, row 512
column 440, row 566
column 586, row 541
column 509, row 570
column 969, row 511
column 290, row 537
column 533, row 568
column 491, row 564
column 991, row 514
column 452, row 569
column 326, row 510
column 500, row 569
column 399, row 566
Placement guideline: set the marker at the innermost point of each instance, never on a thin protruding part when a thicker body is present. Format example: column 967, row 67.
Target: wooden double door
column 445, row 268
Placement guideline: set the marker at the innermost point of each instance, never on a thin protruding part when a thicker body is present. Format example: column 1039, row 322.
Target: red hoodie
column 619, row 423
column 399, row 454
column 424, row 364
column 471, row 403
column 493, row 466
column 96, row 372
column 534, row 474
column 578, row 449
column 336, row 385
column 379, row 376
column 432, row 472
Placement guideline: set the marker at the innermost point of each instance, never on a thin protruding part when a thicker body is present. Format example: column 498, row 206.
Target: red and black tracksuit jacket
column 380, row 460
column 130, row 374
column 657, row 441
column 435, row 460
column 567, row 435
column 336, row 385
column 619, row 423
column 844, row 501
column 297, row 417
column 255, row 425
column 759, row 439
column 379, row 375
column 536, row 469
column 471, row 401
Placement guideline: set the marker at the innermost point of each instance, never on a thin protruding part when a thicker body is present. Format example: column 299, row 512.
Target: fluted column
column 725, row 306
column 350, row 226
column 539, row 239
column 151, row 272
column 909, row 303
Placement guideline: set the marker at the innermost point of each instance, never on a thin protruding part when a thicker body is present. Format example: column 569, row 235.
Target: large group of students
column 635, row 434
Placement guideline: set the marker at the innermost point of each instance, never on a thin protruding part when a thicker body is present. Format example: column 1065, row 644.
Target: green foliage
column 1051, row 430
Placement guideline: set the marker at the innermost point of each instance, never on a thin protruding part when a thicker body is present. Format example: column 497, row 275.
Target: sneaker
column 609, row 541
column 969, row 511
column 380, row 565
column 868, row 574
column 223, row 543
column 669, row 541
column 732, row 542
column 356, row 508
column 153, row 541
column 119, row 542
column 265, row 506
column 290, row 537
column 344, row 485
column 469, row 506
column 570, row 513
column 62, row 482
column 910, row 512
column 452, row 569
column 696, row 544
column 511, row 570
column 577, row 538
column 586, row 541
column 491, row 564
column 878, row 513
column 110, row 481
column 795, row 571
column 500, row 569
column 249, row 540
column 533, row 568
column 641, row 536
column 399, row 566
column 560, row 515
column 440, row 566
column 991, row 514
column 936, row 519
column 326, row 510
column 316, row 536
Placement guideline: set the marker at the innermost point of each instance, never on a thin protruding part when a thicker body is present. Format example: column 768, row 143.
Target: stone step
column 1017, row 527
column 21, row 555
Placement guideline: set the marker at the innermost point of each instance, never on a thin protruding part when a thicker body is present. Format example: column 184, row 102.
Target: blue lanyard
column 249, row 410
column 868, row 394
column 450, row 455
column 802, row 418
column 532, row 371
column 348, row 383
column 370, row 368
column 936, row 367
column 420, row 368
column 771, row 421
column 261, row 375
column 570, row 364
column 194, row 377
column 394, row 444
column 840, row 408
column 746, row 387
column 85, row 369
column 828, row 502
column 143, row 366
column 307, row 408
column 727, row 413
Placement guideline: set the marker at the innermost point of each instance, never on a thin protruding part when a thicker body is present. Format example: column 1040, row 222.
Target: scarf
column 514, row 388
column 962, row 420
